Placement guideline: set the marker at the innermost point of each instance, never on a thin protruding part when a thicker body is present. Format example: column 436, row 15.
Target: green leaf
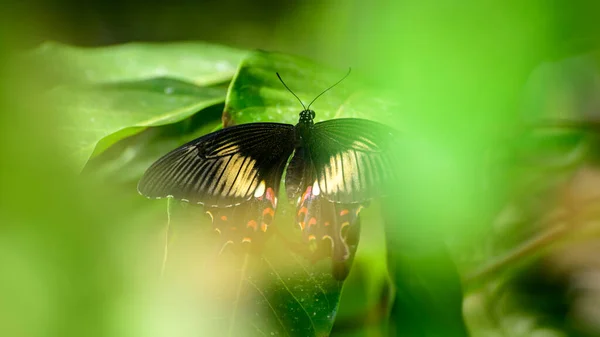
column 257, row 94
column 292, row 296
column 126, row 161
column 272, row 293
column 96, row 116
column 195, row 62
column 428, row 297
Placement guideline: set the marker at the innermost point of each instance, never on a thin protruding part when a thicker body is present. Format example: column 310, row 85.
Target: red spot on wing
column 312, row 221
column 303, row 210
column 224, row 217
column 306, row 194
column 344, row 212
column 270, row 195
column 251, row 224
column 269, row 211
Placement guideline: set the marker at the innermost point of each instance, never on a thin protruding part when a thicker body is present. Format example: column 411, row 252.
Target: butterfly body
column 336, row 166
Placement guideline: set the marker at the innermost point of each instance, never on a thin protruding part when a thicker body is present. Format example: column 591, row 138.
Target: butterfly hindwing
column 330, row 228
column 247, row 223
column 223, row 168
column 354, row 159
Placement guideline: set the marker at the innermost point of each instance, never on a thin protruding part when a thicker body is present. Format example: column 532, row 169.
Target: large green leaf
column 195, row 62
column 257, row 94
column 270, row 293
column 102, row 95
column 96, row 116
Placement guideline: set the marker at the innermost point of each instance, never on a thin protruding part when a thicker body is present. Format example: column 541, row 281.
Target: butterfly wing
column 223, row 168
column 329, row 228
column 246, row 224
column 354, row 159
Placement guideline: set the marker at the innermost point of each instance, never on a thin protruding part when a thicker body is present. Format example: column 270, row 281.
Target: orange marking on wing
column 264, row 227
column 344, row 212
column 311, row 237
column 224, row 217
column 312, row 221
column 233, row 228
column 270, row 195
column 306, row 194
column 269, row 211
column 326, row 223
column 301, row 224
column 251, row 224
column 303, row 210
column 246, row 240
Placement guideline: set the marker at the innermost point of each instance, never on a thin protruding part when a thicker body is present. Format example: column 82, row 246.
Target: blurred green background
column 498, row 105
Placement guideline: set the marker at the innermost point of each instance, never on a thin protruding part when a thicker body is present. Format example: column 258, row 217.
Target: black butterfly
column 337, row 166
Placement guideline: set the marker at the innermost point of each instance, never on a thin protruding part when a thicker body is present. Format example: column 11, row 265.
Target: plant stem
column 556, row 227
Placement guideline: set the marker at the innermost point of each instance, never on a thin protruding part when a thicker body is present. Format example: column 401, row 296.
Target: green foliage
column 125, row 122
column 106, row 94
column 497, row 104
column 199, row 63
column 117, row 117
column 257, row 94
column 95, row 117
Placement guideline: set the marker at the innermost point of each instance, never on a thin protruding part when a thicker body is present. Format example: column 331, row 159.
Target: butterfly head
column 307, row 116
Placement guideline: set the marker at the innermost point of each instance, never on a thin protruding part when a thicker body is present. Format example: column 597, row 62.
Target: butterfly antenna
column 290, row 90
column 326, row 90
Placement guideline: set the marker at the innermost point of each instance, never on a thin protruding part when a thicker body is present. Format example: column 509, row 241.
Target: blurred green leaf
column 195, row 62
column 274, row 292
column 554, row 147
column 292, row 296
column 257, row 94
column 96, row 116
column 126, row 161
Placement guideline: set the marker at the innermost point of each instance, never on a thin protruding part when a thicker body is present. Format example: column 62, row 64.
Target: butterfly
column 336, row 167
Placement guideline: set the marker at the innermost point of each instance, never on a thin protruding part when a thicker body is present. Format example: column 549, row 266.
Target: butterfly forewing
column 354, row 159
column 223, row 168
